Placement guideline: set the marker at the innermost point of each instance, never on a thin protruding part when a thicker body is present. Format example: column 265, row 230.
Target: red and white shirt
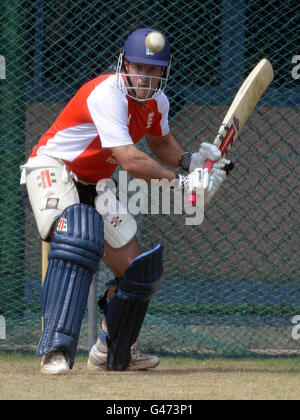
column 99, row 117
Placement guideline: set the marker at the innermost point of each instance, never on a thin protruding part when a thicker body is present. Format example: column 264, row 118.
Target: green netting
column 231, row 285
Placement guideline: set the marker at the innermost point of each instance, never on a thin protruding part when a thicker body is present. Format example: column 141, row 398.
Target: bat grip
column 209, row 165
column 193, row 197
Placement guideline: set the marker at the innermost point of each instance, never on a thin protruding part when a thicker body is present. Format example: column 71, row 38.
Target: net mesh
column 231, row 286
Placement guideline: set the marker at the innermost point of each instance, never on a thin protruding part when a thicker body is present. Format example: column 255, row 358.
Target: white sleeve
column 163, row 107
column 109, row 110
column 161, row 128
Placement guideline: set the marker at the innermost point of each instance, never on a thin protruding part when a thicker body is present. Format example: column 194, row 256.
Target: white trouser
column 51, row 189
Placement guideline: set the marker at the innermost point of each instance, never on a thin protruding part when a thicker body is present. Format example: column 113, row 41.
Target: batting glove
column 190, row 182
column 219, row 173
column 194, row 181
column 191, row 161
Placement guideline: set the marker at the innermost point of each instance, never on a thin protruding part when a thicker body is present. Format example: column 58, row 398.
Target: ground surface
column 174, row 379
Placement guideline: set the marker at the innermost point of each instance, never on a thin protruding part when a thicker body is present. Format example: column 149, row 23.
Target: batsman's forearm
column 140, row 165
column 168, row 152
column 149, row 169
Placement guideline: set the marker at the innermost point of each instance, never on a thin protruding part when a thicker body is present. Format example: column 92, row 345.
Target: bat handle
column 209, row 164
column 193, row 197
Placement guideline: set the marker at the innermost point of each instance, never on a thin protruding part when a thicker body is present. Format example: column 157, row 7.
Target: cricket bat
column 241, row 108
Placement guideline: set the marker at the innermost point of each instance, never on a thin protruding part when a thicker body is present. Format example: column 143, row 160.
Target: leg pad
column 76, row 250
column 128, row 308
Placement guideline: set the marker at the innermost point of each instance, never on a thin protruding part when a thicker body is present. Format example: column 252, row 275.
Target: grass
column 174, row 379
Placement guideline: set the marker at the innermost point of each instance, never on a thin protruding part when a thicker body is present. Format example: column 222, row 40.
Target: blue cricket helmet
column 135, row 50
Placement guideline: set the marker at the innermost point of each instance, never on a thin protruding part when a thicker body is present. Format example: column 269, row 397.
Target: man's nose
column 144, row 79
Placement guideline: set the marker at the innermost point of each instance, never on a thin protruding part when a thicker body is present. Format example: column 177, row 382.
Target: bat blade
column 244, row 103
column 241, row 108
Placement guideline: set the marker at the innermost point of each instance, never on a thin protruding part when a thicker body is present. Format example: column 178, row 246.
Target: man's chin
column 144, row 96
column 141, row 96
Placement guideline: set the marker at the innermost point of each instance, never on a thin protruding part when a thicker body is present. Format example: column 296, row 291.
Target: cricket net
column 231, row 285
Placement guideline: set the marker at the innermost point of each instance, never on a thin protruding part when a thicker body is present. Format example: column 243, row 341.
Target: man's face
column 144, row 79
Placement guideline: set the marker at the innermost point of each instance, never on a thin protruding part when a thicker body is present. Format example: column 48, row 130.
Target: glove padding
column 218, row 175
column 190, row 182
column 206, row 151
column 194, row 181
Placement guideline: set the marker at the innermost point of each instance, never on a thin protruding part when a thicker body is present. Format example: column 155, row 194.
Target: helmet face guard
column 135, row 51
